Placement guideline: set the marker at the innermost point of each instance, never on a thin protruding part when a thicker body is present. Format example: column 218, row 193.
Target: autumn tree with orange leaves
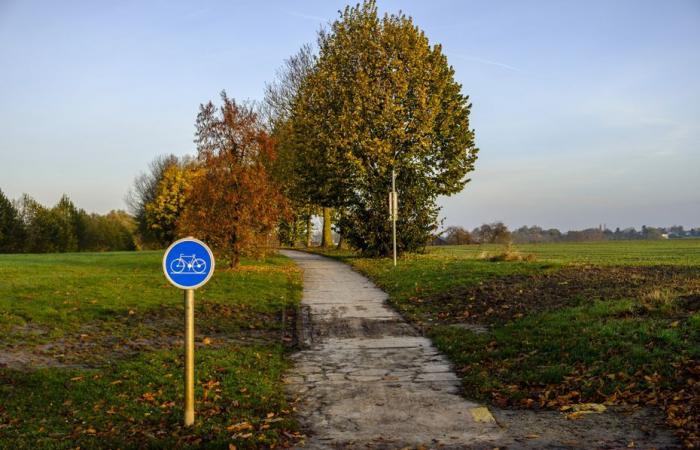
column 233, row 203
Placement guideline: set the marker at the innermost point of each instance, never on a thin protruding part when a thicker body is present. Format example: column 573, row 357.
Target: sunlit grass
column 111, row 328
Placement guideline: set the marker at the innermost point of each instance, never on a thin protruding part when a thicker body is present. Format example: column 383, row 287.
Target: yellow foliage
column 165, row 209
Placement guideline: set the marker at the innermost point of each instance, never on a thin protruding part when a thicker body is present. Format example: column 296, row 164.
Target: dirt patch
column 507, row 298
column 23, row 359
column 103, row 342
column 29, row 329
column 619, row 427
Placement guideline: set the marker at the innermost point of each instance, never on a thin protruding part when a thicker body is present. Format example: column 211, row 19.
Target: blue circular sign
column 188, row 263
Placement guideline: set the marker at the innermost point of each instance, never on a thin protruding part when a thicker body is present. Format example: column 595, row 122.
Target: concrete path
column 367, row 379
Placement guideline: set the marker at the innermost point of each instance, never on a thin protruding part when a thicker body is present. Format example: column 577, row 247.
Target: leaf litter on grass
column 636, row 304
column 110, row 376
column 507, row 298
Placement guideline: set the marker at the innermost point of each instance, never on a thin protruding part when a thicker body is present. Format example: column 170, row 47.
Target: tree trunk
column 235, row 260
column 309, row 230
column 341, row 243
column 327, row 236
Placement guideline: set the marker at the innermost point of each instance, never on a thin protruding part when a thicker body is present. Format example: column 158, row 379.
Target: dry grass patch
column 510, row 254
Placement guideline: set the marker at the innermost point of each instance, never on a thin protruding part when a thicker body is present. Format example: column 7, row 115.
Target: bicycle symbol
column 188, row 265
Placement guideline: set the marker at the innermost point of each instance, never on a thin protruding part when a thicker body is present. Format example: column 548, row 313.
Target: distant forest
column 26, row 226
column 497, row 232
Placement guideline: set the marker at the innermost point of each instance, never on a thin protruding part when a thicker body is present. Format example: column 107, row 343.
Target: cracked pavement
column 367, row 379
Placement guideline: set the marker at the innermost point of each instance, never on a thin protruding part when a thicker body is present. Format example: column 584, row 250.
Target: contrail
column 489, row 62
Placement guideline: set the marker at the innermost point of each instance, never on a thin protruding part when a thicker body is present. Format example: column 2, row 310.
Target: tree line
column 497, row 232
column 372, row 96
column 28, row 226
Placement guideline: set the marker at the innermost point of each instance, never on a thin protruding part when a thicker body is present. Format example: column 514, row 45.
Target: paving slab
column 367, row 379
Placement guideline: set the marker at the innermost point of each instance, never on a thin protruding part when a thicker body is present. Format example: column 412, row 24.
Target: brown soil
column 100, row 343
column 507, row 298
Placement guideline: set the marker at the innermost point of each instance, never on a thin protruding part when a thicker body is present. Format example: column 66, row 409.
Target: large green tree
column 12, row 232
column 381, row 97
column 71, row 225
column 48, row 230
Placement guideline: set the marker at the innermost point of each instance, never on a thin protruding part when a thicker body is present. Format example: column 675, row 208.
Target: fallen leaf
column 148, row 396
column 239, row 427
column 580, row 409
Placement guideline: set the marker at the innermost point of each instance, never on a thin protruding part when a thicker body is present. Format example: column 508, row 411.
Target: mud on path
column 367, row 379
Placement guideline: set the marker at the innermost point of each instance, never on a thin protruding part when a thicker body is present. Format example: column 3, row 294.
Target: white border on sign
column 211, row 258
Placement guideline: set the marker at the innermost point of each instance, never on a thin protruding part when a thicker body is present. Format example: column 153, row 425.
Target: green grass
column 682, row 252
column 60, row 292
column 443, row 267
column 603, row 322
column 108, row 329
column 586, row 343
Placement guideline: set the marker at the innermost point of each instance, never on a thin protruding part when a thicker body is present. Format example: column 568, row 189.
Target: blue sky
column 585, row 112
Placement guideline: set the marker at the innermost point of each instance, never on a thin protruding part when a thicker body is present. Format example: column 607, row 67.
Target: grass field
column 682, row 252
column 106, row 329
column 91, row 348
column 609, row 322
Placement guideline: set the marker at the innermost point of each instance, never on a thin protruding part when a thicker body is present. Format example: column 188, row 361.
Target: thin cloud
column 489, row 62
column 307, row 16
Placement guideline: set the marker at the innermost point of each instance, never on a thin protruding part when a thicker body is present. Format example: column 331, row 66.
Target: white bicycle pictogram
column 189, row 264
